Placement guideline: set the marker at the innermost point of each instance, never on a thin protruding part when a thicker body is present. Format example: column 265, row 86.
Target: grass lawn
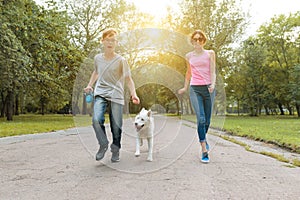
column 30, row 123
column 283, row 131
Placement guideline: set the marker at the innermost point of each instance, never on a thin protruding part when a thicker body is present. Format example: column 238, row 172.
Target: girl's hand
column 181, row 91
column 211, row 88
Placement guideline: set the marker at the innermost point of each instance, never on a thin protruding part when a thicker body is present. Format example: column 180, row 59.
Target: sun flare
column 156, row 8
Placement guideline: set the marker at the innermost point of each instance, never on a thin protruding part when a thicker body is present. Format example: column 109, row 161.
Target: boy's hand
column 135, row 100
column 88, row 89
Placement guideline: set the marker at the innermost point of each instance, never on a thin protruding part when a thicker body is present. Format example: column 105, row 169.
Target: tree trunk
column 252, row 111
column 84, row 106
column 3, row 107
column 298, row 109
column 75, row 106
column 281, row 109
column 290, row 109
column 177, row 106
column 267, row 110
column 43, row 104
column 10, row 106
column 17, row 105
column 181, row 105
column 238, row 107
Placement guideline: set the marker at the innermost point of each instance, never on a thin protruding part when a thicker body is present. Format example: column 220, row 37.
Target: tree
column 51, row 60
column 281, row 38
column 294, row 87
column 13, row 60
column 265, row 72
column 13, row 68
column 248, row 81
column 223, row 22
column 91, row 17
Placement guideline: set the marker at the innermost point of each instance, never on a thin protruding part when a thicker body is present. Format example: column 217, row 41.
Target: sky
column 260, row 11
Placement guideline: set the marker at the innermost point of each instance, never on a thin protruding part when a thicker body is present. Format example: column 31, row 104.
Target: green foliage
column 222, row 21
column 249, row 76
column 42, row 57
column 91, row 17
column 294, row 83
column 12, row 60
column 43, row 49
column 265, row 74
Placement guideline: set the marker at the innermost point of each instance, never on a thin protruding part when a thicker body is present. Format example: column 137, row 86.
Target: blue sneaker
column 205, row 158
column 207, row 146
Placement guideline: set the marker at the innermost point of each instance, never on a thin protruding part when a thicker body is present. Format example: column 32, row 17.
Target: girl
column 201, row 76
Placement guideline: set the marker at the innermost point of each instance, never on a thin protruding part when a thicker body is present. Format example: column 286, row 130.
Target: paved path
column 61, row 166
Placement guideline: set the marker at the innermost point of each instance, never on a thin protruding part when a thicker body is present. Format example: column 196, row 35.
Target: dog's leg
column 150, row 149
column 137, row 147
column 141, row 142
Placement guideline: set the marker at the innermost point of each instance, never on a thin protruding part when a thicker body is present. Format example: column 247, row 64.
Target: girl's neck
column 199, row 50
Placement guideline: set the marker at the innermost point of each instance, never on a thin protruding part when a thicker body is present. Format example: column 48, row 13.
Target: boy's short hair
column 109, row 32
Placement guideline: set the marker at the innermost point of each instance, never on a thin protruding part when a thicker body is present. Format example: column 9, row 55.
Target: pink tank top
column 200, row 68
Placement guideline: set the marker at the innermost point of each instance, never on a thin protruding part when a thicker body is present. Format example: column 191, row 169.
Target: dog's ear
column 149, row 113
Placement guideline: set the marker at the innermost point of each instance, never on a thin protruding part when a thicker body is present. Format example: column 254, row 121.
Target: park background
column 46, row 46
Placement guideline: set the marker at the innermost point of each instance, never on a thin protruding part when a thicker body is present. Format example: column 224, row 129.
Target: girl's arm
column 212, row 70
column 188, row 75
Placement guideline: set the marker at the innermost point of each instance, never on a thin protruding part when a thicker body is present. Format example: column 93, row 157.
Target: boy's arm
column 131, row 86
column 92, row 81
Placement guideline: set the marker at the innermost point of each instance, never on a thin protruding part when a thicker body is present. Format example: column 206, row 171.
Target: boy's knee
column 98, row 121
column 201, row 120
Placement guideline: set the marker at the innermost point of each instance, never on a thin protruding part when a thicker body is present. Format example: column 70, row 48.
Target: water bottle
column 89, row 97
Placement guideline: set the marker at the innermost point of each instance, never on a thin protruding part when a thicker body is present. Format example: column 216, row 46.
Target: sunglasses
column 197, row 39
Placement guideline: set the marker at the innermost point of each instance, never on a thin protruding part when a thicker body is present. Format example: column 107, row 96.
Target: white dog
column 144, row 124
